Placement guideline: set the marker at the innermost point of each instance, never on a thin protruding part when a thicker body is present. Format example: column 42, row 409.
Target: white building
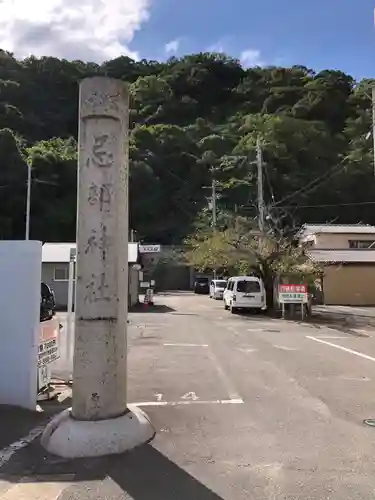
column 55, row 270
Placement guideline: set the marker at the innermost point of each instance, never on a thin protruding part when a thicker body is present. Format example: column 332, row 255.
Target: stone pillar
column 102, row 252
column 99, row 374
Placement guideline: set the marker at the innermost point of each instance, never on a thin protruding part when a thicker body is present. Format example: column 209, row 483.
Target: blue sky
column 319, row 34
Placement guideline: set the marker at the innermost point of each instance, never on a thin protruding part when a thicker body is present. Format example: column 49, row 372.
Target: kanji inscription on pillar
column 99, row 241
column 100, row 195
column 97, row 289
column 101, row 155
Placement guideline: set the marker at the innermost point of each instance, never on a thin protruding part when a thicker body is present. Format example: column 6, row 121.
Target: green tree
column 13, row 176
column 242, row 250
column 190, row 118
column 53, row 165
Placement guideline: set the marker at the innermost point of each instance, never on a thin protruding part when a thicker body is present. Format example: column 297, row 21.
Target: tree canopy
column 190, row 118
column 237, row 247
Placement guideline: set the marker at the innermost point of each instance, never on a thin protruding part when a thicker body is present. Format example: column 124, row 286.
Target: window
column 61, row 273
column 202, row 280
column 220, row 284
column 362, row 244
column 245, row 286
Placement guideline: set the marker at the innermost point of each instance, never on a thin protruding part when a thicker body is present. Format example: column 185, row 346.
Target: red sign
column 292, row 289
column 49, row 330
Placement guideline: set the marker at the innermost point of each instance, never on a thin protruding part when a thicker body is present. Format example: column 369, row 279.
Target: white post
column 100, row 422
column 28, row 202
column 69, row 318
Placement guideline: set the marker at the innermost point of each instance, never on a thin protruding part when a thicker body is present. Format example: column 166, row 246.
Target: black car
column 202, row 285
column 47, row 303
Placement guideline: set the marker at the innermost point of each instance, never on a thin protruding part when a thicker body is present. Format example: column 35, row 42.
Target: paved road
column 246, row 408
column 368, row 312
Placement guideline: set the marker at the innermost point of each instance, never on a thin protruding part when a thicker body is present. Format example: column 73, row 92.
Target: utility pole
column 214, row 204
column 373, row 121
column 100, row 423
column 260, row 187
column 213, row 194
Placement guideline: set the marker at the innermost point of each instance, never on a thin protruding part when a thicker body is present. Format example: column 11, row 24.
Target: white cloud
column 217, row 47
column 251, row 57
column 172, row 46
column 93, row 30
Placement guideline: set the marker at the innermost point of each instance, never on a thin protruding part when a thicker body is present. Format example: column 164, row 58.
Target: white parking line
column 350, row 351
column 237, row 401
column 169, row 344
column 331, row 337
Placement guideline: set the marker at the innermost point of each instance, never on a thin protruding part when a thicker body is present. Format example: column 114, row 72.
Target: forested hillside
column 189, row 116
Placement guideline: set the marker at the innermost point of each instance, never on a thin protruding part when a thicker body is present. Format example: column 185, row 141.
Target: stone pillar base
column 71, row 438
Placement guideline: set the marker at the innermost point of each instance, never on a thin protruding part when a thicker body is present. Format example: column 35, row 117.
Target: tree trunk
column 268, row 280
column 269, row 295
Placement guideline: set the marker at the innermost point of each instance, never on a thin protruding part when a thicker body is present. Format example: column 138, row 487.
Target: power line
column 333, row 171
column 353, row 204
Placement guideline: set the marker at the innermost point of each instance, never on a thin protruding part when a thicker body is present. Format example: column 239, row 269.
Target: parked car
column 47, row 303
column 245, row 292
column 217, row 288
column 201, row 285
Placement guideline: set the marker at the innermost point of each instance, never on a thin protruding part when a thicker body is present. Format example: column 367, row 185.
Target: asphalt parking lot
column 246, row 407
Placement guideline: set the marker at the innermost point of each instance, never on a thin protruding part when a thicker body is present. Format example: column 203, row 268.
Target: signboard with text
column 293, row 294
column 48, row 349
column 149, row 248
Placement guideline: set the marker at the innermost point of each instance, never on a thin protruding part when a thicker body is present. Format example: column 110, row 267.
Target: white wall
column 63, row 367
column 340, row 241
column 20, row 277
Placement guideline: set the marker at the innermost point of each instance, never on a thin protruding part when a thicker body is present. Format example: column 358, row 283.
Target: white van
column 245, row 292
column 217, row 288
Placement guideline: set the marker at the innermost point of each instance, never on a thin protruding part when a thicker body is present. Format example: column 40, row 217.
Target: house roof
column 336, row 229
column 60, row 252
column 345, row 255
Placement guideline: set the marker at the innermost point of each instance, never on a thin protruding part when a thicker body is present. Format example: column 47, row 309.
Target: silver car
column 217, row 288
